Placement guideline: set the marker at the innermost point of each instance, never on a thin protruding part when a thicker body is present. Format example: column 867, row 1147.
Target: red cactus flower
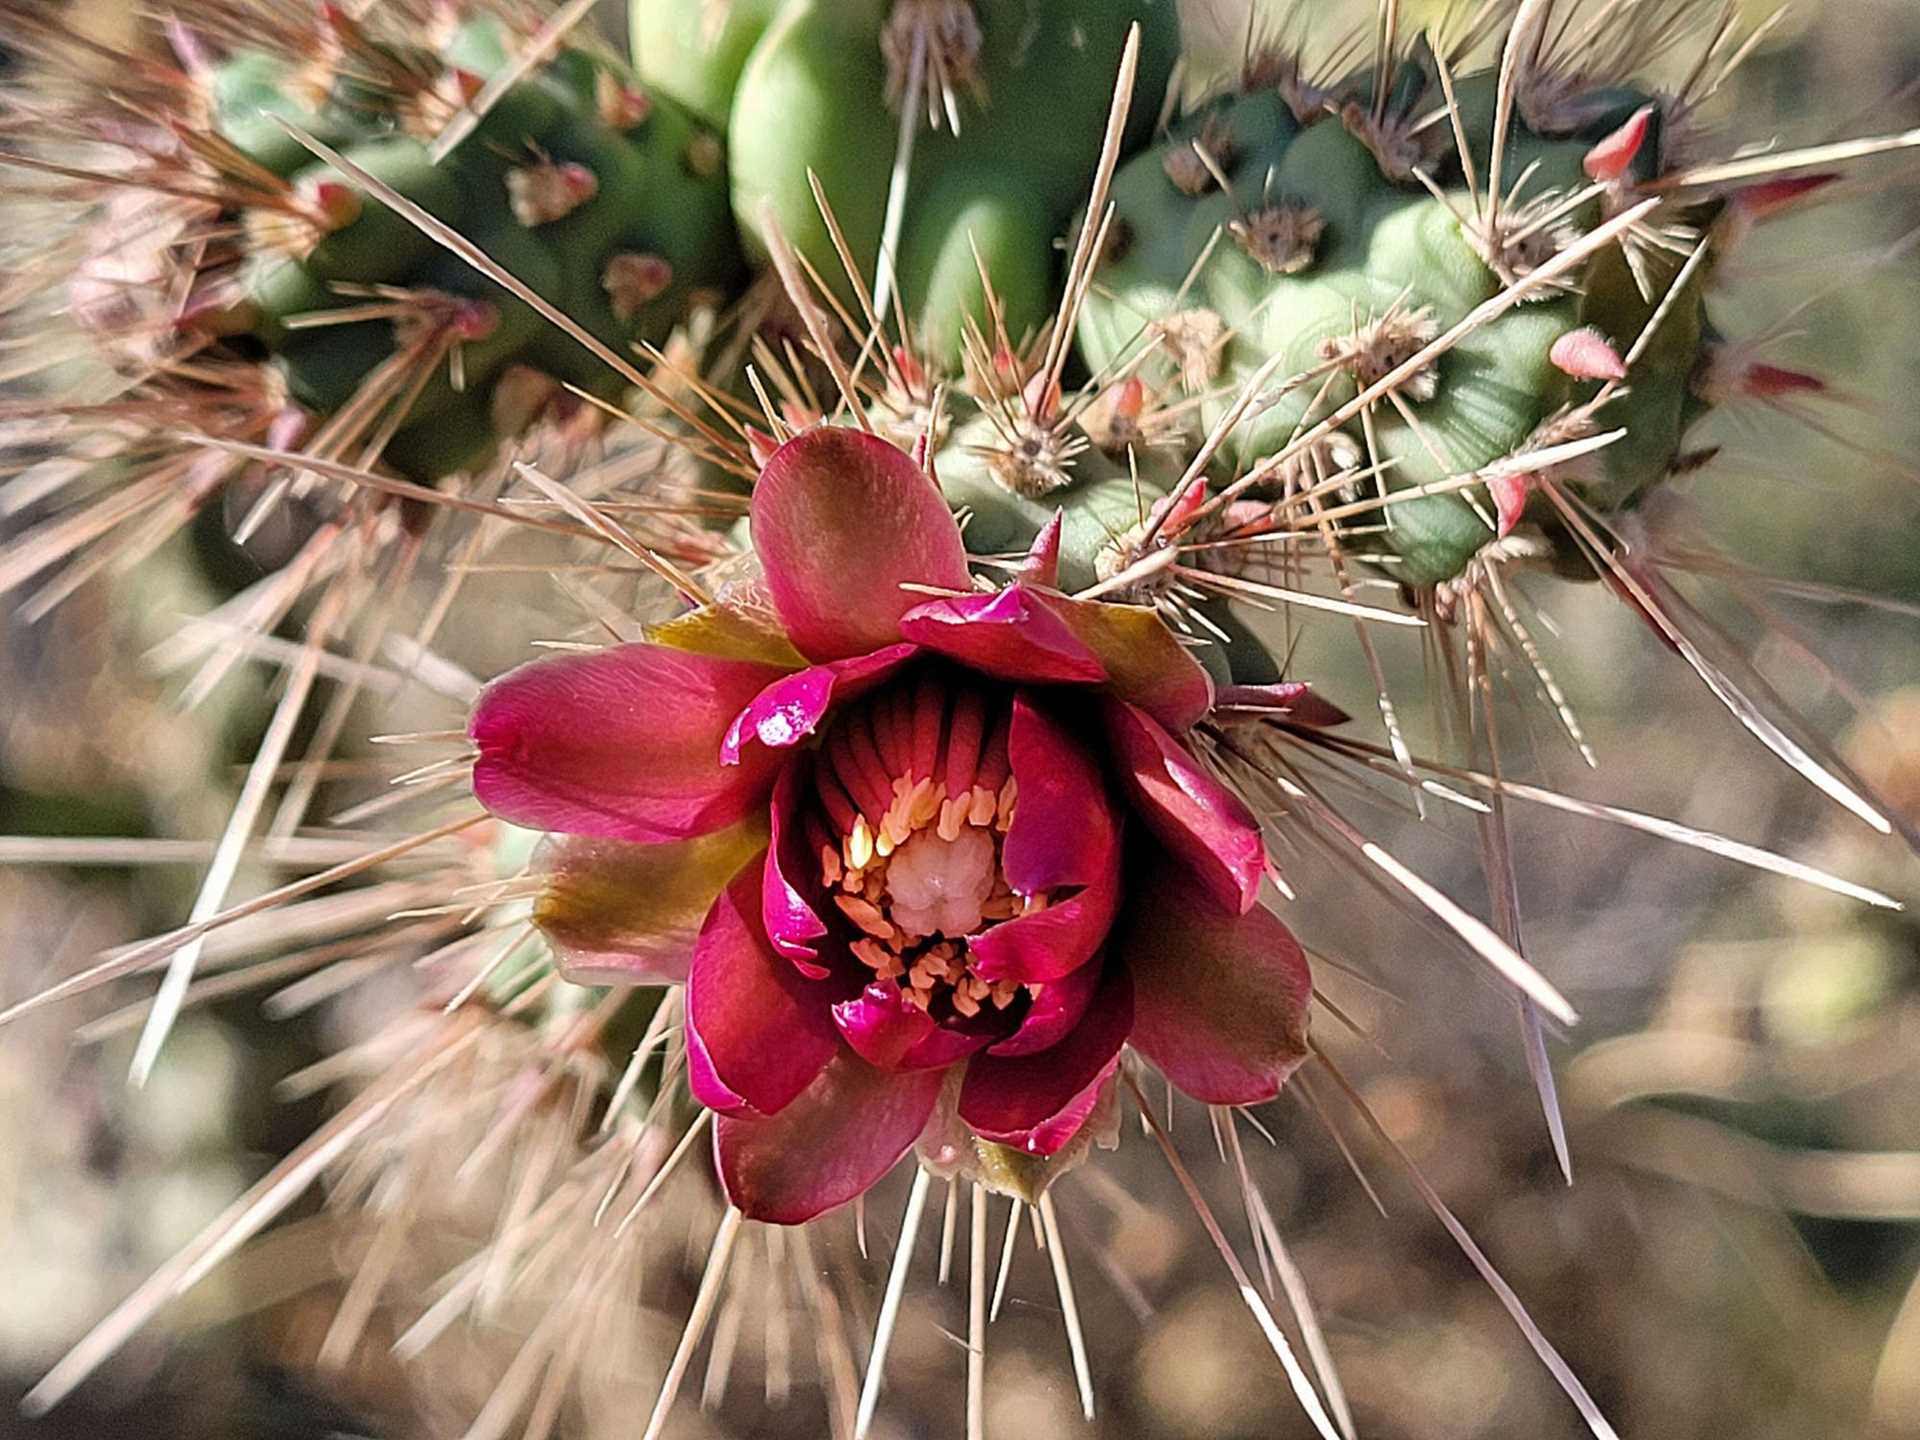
column 880, row 836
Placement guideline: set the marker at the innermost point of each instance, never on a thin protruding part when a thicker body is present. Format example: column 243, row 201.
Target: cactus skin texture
column 1032, row 102
column 987, row 456
column 694, row 52
column 606, row 200
column 1322, row 252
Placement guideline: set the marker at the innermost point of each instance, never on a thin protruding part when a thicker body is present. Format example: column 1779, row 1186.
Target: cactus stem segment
column 1115, row 420
column 1196, row 342
column 1402, row 144
column 704, row 155
column 1195, row 168
column 319, row 209
column 1034, row 458
column 634, row 280
column 622, row 107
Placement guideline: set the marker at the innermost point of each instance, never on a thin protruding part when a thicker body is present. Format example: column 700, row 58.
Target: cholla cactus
column 260, row 221
column 1537, row 222
column 954, row 797
column 833, row 94
column 230, row 292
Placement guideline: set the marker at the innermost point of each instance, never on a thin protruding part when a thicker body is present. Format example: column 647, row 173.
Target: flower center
column 915, row 794
column 941, row 887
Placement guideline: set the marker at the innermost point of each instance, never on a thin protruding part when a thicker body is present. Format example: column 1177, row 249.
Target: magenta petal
column 1049, row 944
column 1291, row 700
column 1015, row 1099
column 1052, row 1137
column 1009, row 635
column 1064, row 834
column 1042, row 565
column 1198, row 819
column 889, row 1030
column 762, row 1028
column 1054, row 1012
column 1220, row 1001
column 793, row 926
column 831, row 1144
column 882, row 1024
column 790, row 709
column 952, row 1042
column 705, row 1083
column 841, row 521
column 622, row 743
column 1063, row 822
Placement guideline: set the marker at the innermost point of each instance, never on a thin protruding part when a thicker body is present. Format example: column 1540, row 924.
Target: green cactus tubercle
column 607, row 201
column 1315, row 253
column 821, row 92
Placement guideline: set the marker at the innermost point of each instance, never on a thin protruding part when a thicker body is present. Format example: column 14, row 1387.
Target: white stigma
column 941, row 887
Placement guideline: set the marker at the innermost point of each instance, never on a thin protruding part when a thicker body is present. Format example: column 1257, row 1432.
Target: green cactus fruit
column 1031, row 85
column 694, row 50
column 1325, row 255
column 607, row 201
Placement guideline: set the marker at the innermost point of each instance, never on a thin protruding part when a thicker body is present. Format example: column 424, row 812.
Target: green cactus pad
column 1098, row 508
column 694, row 50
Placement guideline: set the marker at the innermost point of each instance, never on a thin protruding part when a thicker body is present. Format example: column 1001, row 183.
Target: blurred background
column 1737, row 1257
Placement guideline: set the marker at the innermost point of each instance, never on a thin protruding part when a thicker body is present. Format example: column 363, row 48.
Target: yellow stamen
column 860, row 845
column 925, row 803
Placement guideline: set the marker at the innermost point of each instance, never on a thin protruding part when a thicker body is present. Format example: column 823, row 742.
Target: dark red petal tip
column 845, row 525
